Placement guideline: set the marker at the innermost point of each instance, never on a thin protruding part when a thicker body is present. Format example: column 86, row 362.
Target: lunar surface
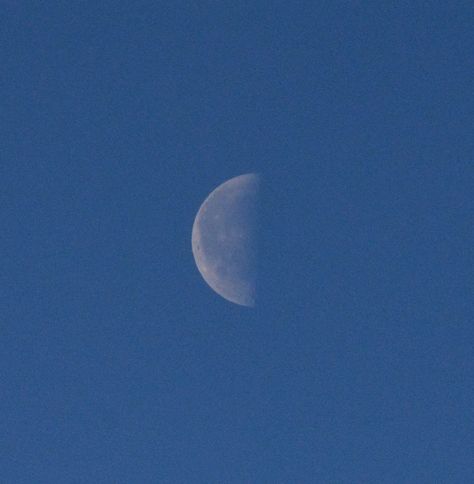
column 224, row 239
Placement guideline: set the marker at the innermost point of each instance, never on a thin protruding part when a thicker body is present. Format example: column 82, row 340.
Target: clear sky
column 118, row 363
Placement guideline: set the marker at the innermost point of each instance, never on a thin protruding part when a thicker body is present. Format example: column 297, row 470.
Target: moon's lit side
column 224, row 239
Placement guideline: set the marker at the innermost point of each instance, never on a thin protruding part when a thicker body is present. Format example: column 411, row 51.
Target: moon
column 224, row 239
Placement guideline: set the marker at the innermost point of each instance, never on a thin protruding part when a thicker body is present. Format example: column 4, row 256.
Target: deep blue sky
column 118, row 363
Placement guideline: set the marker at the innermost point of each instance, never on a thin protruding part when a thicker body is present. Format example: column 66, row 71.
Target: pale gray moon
column 224, row 239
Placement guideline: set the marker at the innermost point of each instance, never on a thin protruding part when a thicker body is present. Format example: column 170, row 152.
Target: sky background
column 117, row 362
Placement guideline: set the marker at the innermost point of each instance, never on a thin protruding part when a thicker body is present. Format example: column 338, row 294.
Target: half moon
column 224, row 239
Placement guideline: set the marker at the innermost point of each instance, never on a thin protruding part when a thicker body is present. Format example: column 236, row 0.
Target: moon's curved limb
column 224, row 239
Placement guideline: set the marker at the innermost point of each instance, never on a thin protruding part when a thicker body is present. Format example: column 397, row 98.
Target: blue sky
column 119, row 364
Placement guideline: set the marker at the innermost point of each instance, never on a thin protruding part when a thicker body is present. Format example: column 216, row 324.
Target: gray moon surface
column 224, row 239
